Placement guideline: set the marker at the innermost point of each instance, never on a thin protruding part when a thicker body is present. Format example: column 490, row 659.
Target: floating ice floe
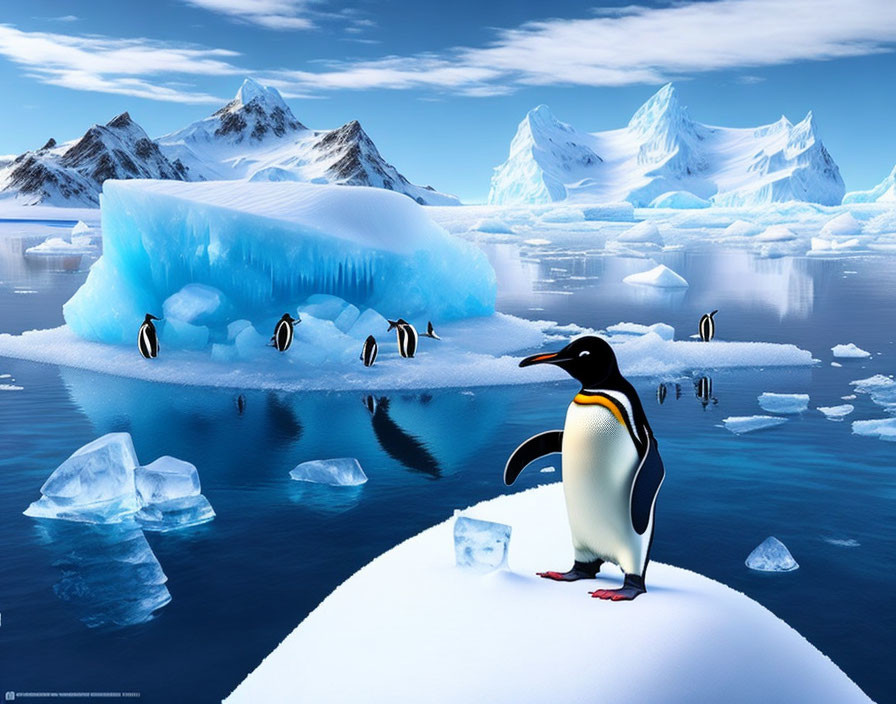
column 837, row 412
column 881, row 428
column 480, row 545
column 849, row 351
column 168, row 491
column 547, row 470
column 81, row 228
column 614, row 212
column 493, row 225
column 666, row 332
column 56, row 246
column 783, row 403
column 660, row 276
column 771, row 556
column 11, row 387
column 820, row 245
column 341, row 471
column 747, row 424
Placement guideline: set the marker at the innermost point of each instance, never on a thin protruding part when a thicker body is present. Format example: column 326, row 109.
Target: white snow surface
column 884, row 192
column 660, row 276
column 57, row 246
column 423, row 629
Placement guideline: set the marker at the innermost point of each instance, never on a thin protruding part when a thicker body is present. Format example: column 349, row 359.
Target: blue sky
column 440, row 87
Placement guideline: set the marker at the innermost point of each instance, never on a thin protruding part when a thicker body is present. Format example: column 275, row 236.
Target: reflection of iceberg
column 109, row 573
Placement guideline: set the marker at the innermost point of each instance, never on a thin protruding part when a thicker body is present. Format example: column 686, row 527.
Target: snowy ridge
column 884, row 192
column 254, row 137
column 663, row 151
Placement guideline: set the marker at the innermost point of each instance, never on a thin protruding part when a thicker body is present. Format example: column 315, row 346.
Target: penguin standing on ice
column 147, row 339
column 283, row 332
column 612, row 470
column 407, row 337
column 368, row 351
column 707, row 326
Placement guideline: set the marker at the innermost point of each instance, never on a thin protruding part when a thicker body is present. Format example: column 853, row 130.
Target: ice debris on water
column 783, row 403
column 849, row 351
column 748, row 424
column 837, row 412
column 771, row 556
column 480, row 545
column 660, row 276
column 169, row 494
column 341, row 471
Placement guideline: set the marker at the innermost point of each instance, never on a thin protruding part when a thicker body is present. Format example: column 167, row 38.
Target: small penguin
column 707, row 326
column 612, row 469
column 368, row 351
column 661, row 394
column 407, row 337
column 240, row 402
column 703, row 390
column 430, row 332
column 283, row 332
column 147, row 339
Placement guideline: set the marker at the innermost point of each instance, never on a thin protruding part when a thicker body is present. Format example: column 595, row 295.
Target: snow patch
column 660, row 276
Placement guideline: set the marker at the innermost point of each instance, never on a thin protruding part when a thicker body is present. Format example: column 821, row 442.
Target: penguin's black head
column 589, row 360
column 287, row 317
column 150, row 317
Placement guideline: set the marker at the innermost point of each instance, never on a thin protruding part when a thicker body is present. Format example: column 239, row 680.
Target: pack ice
column 211, row 253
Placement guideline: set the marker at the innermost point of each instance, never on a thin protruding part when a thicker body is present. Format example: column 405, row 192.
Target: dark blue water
column 239, row 584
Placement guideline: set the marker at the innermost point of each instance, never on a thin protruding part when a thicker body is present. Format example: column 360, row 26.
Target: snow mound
column 741, row 228
column 771, row 556
column 701, row 633
column 680, row 200
column 169, row 494
column 644, row 232
column 664, row 331
column 660, row 276
column 480, row 545
column 849, row 351
column 820, row 245
column 776, row 233
column 342, row 471
column 837, row 412
column 843, row 225
column 268, row 246
column 783, row 403
column 56, row 246
column 748, row 424
column 563, row 215
column 493, row 225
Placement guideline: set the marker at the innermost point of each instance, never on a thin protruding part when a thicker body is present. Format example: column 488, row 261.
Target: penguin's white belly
column 599, row 466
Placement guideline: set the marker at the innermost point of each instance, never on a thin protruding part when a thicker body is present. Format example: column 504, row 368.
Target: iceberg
column 342, row 471
column 837, row 412
column 480, row 545
column 747, row 424
column 56, row 246
column 81, row 228
column 679, row 200
column 771, row 556
column 783, row 403
column 660, row 276
column 269, row 246
column 94, row 485
column 644, row 232
column 168, row 492
column 849, row 351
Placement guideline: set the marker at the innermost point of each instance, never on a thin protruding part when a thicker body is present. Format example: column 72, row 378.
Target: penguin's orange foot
column 631, row 588
column 580, row 570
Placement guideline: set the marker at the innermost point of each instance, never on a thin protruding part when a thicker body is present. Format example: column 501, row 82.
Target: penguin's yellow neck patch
column 586, row 400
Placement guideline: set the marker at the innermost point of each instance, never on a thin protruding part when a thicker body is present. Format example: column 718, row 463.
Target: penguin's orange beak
column 540, row 359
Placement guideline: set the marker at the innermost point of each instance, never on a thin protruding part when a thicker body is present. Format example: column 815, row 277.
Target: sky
column 440, row 87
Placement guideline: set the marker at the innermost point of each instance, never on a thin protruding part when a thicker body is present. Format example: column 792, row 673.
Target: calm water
column 240, row 584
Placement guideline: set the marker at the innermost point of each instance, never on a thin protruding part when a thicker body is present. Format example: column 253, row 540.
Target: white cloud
column 631, row 45
column 109, row 65
column 271, row 14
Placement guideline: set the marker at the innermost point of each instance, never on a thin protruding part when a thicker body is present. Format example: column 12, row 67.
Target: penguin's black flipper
column 647, row 483
column 537, row 446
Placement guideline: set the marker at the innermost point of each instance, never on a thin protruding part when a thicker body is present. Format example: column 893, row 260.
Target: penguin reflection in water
column 283, row 332
column 612, row 470
column 147, row 338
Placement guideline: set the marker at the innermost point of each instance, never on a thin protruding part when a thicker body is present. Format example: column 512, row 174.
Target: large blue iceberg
column 211, row 253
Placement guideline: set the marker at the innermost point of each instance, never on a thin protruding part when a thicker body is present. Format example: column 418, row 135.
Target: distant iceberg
column 660, row 276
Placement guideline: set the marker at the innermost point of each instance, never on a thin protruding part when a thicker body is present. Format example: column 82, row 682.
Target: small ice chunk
column 341, row 471
column 849, row 351
column 836, row 364
column 249, row 343
column 837, row 412
column 784, row 403
column 81, row 228
column 776, row 233
column 771, row 556
column 747, row 424
column 173, row 514
column 660, row 276
column 480, row 545
column 493, row 225
column 882, row 428
column 842, row 542
column 878, row 382
column 53, row 246
column 194, row 303
column 94, row 485
column 849, row 397
column 537, row 242
column 547, row 470
column 165, row 479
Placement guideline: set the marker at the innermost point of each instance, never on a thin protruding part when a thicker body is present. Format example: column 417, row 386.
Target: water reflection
column 109, row 574
column 703, row 390
column 396, row 442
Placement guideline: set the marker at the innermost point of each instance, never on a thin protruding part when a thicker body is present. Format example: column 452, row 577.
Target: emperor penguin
column 147, row 339
column 707, row 326
column 283, row 332
column 612, row 470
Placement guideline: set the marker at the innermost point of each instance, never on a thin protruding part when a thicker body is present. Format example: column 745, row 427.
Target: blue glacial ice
column 168, row 491
column 341, row 471
column 771, row 556
column 94, row 485
column 265, row 248
column 480, row 545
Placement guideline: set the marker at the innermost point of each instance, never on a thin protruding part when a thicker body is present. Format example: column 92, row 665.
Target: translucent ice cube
column 165, row 479
column 771, row 556
column 480, row 545
column 175, row 513
column 341, row 471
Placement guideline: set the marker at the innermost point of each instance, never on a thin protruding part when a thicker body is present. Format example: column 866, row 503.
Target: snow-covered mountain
column 254, row 137
column 661, row 152
column 73, row 173
column 884, row 192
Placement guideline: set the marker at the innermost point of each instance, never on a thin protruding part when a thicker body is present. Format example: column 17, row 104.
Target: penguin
column 703, row 390
column 368, row 351
column 147, row 339
column 430, row 332
column 407, row 337
column 707, row 326
column 661, row 394
column 240, row 401
column 612, row 469
column 282, row 337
